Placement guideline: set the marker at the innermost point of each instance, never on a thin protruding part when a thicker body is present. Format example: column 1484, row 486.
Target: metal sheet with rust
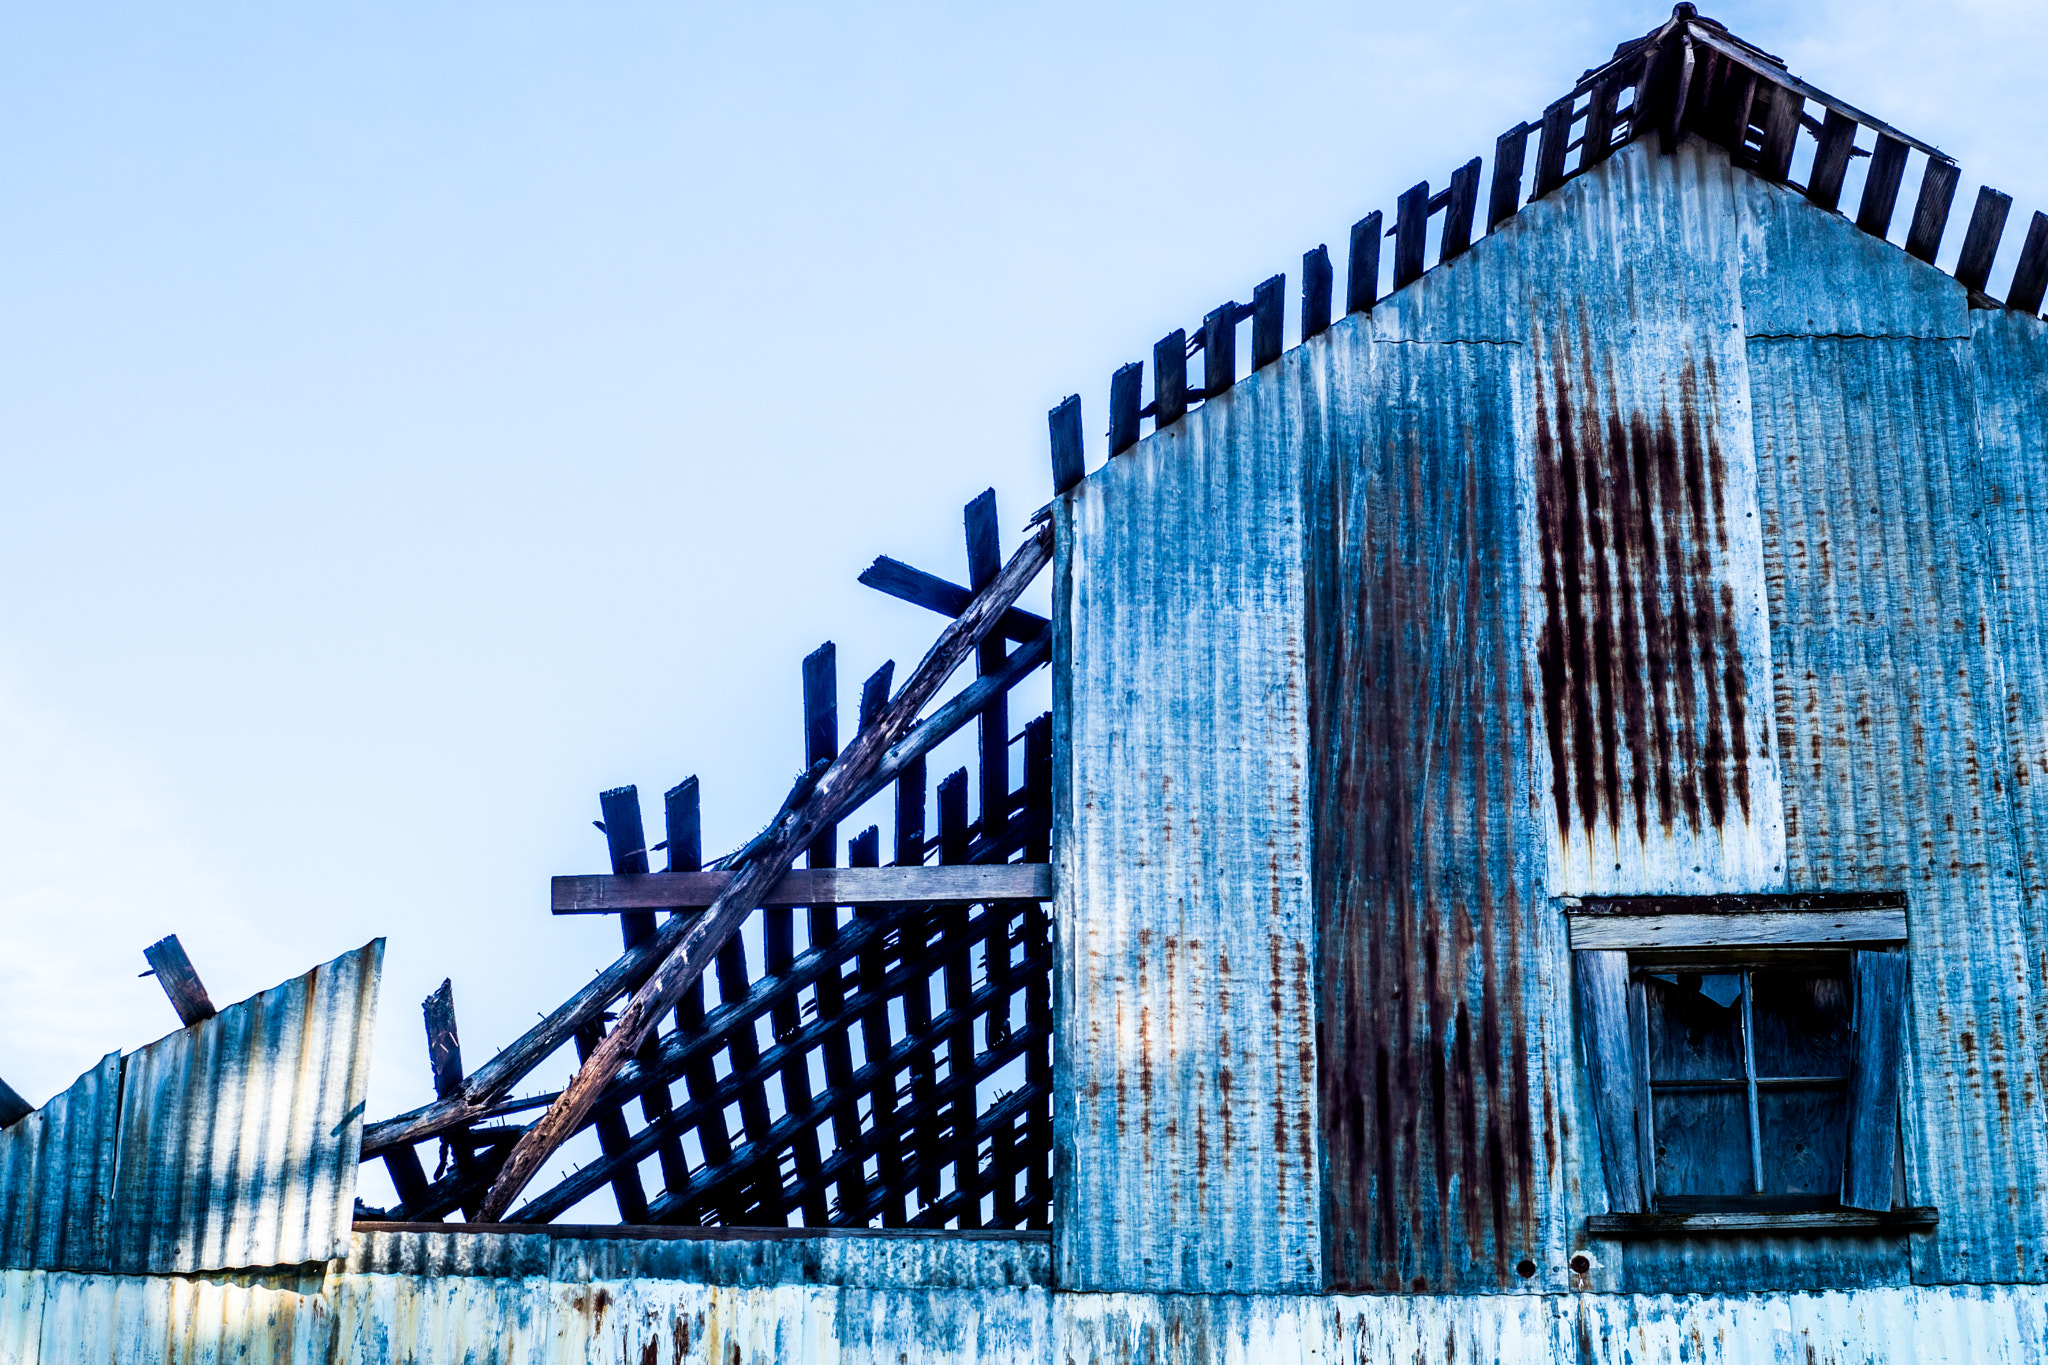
column 1187, row 1114
column 1904, row 620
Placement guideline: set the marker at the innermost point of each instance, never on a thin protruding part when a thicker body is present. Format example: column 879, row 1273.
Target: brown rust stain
column 1644, row 687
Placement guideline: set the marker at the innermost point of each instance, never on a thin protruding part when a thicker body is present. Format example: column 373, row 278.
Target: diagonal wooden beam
column 832, row 797
column 174, row 972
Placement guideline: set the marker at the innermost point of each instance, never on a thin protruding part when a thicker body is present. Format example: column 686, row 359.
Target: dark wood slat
column 1169, row 379
column 626, row 841
column 2030, row 278
column 915, row 586
column 874, row 693
column 1505, row 197
column 1318, row 282
column 408, row 1177
column 1411, row 232
column 1604, row 1011
column 984, row 562
column 1459, row 208
column 1980, row 242
column 1219, row 350
column 13, row 1108
column 837, row 791
column 444, row 1043
column 1879, row 983
column 1831, row 160
column 1930, row 213
column 1269, row 309
column 1362, row 278
column 1551, row 145
column 1881, row 185
column 613, row 1138
column 1126, row 405
column 174, row 972
column 958, row 978
column 1781, row 132
column 682, row 811
column 1596, row 141
column 1064, row 425
column 821, row 919
column 1766, row 1224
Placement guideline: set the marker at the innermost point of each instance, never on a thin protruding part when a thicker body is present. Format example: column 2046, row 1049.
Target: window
column 1744, row 1055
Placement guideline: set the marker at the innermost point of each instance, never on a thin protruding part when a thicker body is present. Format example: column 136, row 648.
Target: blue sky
column 419, row 417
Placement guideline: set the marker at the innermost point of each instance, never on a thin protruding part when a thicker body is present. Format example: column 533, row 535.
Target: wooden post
column 1597, row 141
column 1169, row 379
column 1317, row 281
column 1459, row 204
column 1126, row 403
column 444, row 1044
column 174, row 973
column 1831, row 160
column 1362, row 273
column 1064, row 423
column 1881, row 185
column 1550, row 147
column 684, row 831
column 957, row 1123
column 1930, row 214
column 2031, row 276
column 1781, row 132
column 1269, row 305
column 1411, row 233
column 1219, row 349
column 1980, row 243
column 1506, row 195
column 626, row 840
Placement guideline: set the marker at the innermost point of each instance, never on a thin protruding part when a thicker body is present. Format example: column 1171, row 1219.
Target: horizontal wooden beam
column 1733, row 1224
column 1772, row 928
column 808, row 886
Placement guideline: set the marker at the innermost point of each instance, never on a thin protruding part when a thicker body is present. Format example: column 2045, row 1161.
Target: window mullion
column 1756, row 1138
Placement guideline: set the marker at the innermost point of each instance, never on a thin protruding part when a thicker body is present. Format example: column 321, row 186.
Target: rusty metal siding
column 57, row 1175
column 174, row 1320
column 384, row 1319
column 1444, row 1140
column 895, row 1259
column 1891, row 701
column 1186, row 1069
column 240, row 1136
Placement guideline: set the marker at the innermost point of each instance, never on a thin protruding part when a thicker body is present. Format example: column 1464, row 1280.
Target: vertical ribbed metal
column 1187, row 1121
column 57, row 1175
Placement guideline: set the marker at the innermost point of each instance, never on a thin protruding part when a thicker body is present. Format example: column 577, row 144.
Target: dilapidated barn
column 1536, row 853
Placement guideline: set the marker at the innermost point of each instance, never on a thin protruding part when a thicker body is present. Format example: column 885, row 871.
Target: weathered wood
column 821, row 742
column 599, row 895
column 1781, row 132
column 683, row 822
column 1930, row 212
column 444, row 1044
column 1596, row 141
column 1219, row 350
column 13, row 1108
column 1831, row 160
column 1779, row 76
column 1611, row 1069
column 1269, row 308
column 915, row 586
column 408, row 1177
column 1318, row 282
column 833, row 794
column 1879, row 982
column 613, row 1137
column 1881, row 182
column 1551, row 146
column 1743, row 904
column 1721, row 931
column 626, row 841
column 2030, row 277
column 1411, row 234
column 1362, row 271
column 1169, row 379
column 181, row 983
column 1737, row 1224
column 1980, row 242
column 1460, row 203
column 1126, row 405
column 984, row 562
column 1064, row 425
column 1505, row 197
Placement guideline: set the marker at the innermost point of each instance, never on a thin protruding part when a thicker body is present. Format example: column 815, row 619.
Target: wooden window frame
column 1612, row 937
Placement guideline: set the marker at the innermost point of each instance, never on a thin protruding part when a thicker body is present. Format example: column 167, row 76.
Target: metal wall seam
column 240, row 1136
column 1892, row 698
column 57, row 1172
column 1186, row 1112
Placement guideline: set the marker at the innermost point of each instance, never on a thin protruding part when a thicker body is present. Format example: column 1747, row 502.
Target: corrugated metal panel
column 874, row 1260
column 1891, row 700
column 21, row 1316
column 240, row 1136
column 447, row 1320
column 1446, row 1145
column 57, row 1175
column 170, row 1320
column 1186, row 1052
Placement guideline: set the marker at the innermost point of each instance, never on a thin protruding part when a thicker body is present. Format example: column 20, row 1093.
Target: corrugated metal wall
column 229, row 1144
column 1893, row 644
column 1186, row 1111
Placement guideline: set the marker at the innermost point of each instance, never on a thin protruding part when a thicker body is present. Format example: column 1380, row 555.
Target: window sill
column 1734, row 1224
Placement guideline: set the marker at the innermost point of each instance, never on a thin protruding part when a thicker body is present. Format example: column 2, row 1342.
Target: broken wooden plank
column 1219, row 350
column 1461, row 202
column 626, row 841
column 1720, row 931
column 1980, row 242
column 181, row 983
column 1880, row 986
column 444, row 1044
column 2030, row 277
column 1362, row 278
column 835, row 793
column 1317, row 283
column 1064, row 424
column 1126, row 405
column 1881, row 185
column 1509, row 150
column 1551, row 146
column 1269, row 307
column 1169, row 379
column 1411, row 232
column 1930, row 213
column 919, row 588
column 600, row 895
column 1831, row 160
column 1734, row 1224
